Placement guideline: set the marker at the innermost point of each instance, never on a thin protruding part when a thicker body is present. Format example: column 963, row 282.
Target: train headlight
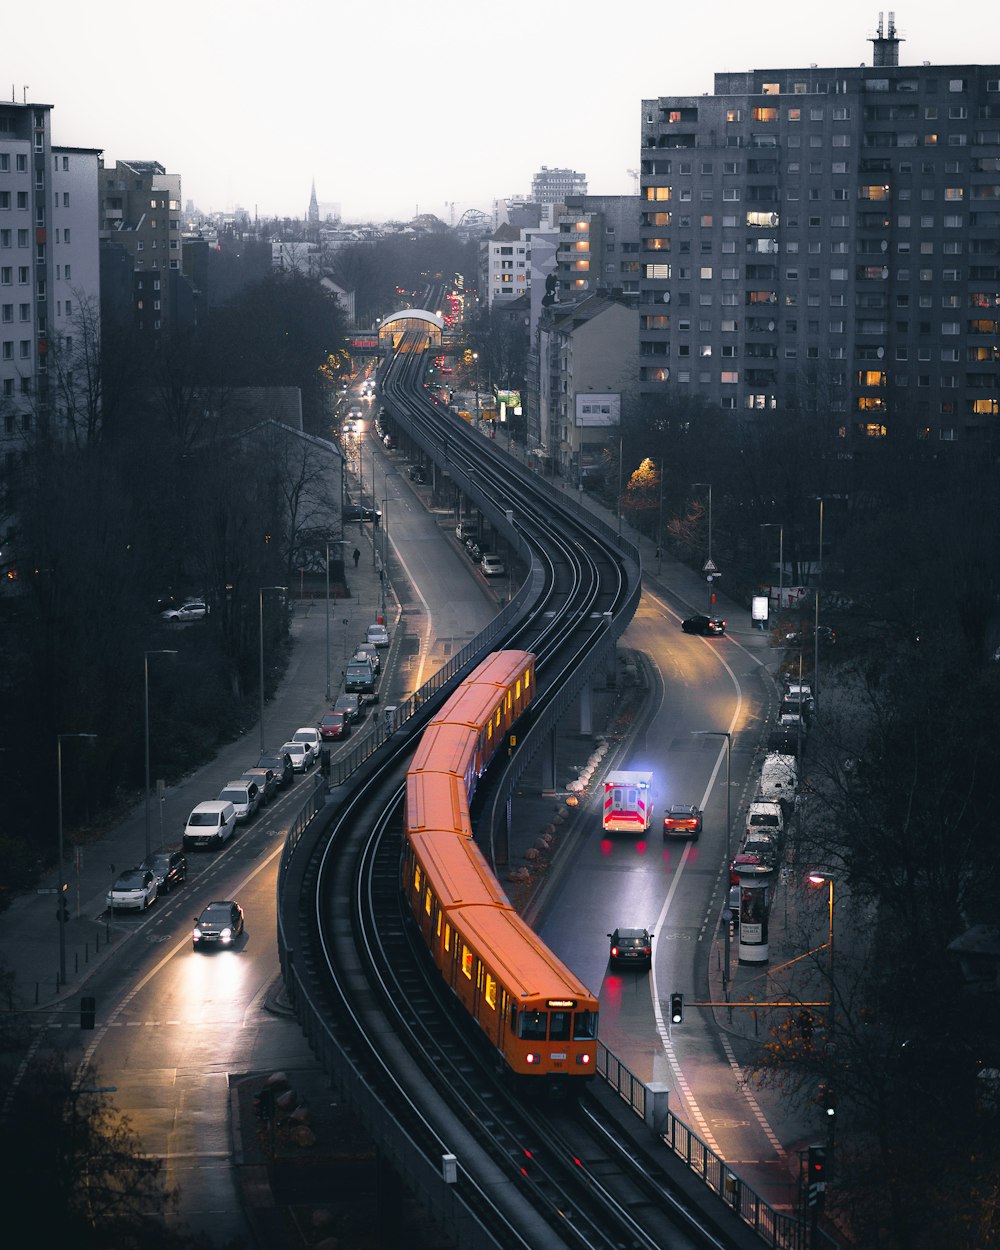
column 584, row 1059
column 531, row 1058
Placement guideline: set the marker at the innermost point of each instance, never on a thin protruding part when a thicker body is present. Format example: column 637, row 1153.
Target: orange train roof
column 521, row 961
column 437, row 801
column 445, row 748
column 501, row 668
column 457, row 871
column 470, row 705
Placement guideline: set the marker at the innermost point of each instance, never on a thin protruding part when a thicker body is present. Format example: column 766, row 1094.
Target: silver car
column 134, row 890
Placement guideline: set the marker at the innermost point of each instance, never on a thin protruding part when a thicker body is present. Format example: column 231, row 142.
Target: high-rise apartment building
column 48, row 268
column 140, row 230
column 551, row 186
column 828, row 241
column 598, row 245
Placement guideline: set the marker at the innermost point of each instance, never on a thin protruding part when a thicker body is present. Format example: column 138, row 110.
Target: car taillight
column 614, row 951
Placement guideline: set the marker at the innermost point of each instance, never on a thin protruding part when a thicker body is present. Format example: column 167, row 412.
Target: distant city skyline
column 416, row 110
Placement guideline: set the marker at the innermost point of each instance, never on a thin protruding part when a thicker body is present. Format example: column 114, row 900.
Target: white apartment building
column 48, row 267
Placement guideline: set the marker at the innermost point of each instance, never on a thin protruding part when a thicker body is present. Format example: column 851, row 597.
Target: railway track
column 496, row 1165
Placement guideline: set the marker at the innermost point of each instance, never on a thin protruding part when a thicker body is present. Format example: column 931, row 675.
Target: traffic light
column 88, row 1011
column 676, row 1008
column 816, row 1175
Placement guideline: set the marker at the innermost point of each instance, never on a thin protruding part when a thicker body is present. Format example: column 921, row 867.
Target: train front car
column 537, row 1013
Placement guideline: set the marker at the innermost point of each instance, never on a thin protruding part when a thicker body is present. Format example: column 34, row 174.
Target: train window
column 585, row 1025
column 467, row 962
column 491, row 991
column 497, row 721
column 517, row 687
column 447, row 937
column 437, row 926
column 559, row 1025
column 416, row 878
column 428, row 901
column 509, row 700
column 531, row 1026
column 527, row 679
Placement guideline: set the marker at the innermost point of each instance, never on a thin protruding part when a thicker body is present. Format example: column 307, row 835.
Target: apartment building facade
column 552, row 186
column 599, row 245
column 140, row 234
column 828, row 240
column 48, row 270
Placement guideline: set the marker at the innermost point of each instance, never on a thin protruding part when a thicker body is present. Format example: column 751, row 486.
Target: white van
column 779, row 780
column 764, row 816
column 210, row 824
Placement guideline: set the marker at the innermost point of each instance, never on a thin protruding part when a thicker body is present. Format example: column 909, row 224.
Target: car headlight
column 196, row 934
column 226, row 935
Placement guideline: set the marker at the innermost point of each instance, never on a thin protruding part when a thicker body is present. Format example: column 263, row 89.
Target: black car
column 361, row 512
column 168, row 867
column 220, row 924
column 417, row 474
column 709, row 625
column 280, row 763
column 633, row 947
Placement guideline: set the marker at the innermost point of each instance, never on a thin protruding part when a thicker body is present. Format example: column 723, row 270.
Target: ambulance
column 628, row 802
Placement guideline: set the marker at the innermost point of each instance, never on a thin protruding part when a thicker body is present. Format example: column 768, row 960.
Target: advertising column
column 754, row 886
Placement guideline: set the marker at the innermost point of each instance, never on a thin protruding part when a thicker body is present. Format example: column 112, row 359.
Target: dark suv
column 280, row 762
column 168, row 867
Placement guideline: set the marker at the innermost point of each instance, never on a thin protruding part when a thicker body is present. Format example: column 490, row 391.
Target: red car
column 333, row 725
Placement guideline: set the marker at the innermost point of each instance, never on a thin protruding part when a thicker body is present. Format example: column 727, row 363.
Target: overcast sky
column 397, row 107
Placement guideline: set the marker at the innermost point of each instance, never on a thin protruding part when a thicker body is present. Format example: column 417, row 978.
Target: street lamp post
column 817, row 879
column 725, row 733
column 710, row 574
column 61, row 916
column 327, row 621
column 475, row 359
column 145, row 673
column 771, row 525
column 819, row 586
column 618, row 502
column 261, row 621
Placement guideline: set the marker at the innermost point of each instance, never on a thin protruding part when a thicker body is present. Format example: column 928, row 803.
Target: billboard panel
column 597, row 410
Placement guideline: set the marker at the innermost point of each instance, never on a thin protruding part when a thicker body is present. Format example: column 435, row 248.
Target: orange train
column 539, row 1016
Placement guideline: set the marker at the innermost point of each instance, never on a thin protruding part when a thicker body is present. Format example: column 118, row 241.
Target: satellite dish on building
column 880, row 352
column 666, row 297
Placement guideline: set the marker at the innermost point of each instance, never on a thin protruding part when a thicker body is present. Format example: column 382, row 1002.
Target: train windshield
column 531, row 1025
column 585, row 1025
column 560, row 1026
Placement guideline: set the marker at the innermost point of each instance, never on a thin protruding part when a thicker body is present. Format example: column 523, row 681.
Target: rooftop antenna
column 886, row 45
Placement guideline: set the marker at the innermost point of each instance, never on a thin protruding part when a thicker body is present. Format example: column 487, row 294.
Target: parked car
column 134, row 890
column 368, row 651
column 333, row 725
column 350, row 705
column 210, row 824
column 475, row 552
column 390, row 442
column 281, row 762
column 244, row 796
column 805, row 637
column 266, row 781
column 301, row 753
column 360, row 512
column 220, row 924
column 378, row 635
column 359, row 678
column 711, row 626
column 492, row 565
column 682, row 819
column 632, row 947
column 193, row 610
column 168, row 867
column 308, row 734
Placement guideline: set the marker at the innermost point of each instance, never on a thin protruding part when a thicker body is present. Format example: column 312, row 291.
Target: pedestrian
column 357, row 556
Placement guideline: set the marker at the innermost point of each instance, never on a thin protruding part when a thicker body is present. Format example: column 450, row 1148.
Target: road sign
column 49, row 890
column 710, row 566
